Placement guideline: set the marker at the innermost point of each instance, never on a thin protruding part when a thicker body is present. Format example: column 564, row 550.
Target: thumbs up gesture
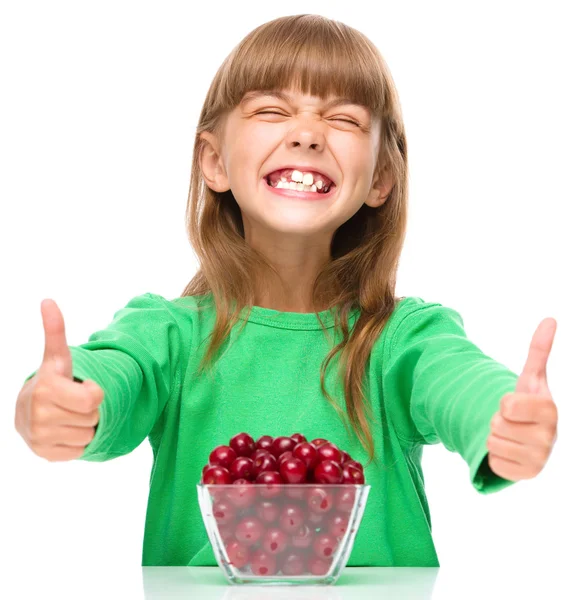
column 55, row 415
column 524, row 429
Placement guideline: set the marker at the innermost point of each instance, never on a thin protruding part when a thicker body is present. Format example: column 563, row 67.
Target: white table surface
column 355, row 583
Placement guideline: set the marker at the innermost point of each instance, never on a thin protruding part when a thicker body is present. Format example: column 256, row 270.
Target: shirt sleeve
column 137, row 360
column 453, row 389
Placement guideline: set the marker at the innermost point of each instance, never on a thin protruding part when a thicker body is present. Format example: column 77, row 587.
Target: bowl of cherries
column 281, row 510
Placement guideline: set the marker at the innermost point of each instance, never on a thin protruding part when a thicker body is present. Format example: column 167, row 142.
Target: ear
column 381, row 189
column 211, row 163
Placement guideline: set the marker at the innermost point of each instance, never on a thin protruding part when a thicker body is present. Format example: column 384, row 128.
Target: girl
column 297, row 211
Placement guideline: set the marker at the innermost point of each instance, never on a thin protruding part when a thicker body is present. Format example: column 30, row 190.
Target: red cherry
column 259, row 452
column 205, row 469
column 249, row 530
column 267, row 511
column 318, row 566
column 325, row 545
column 291, row 518
column 293, row 564
column 307, row 453
column 226, row 532
column 284, row 456
column 264, row 442
column 217, row 476
column 275, row 541
column 352, row 474
column 354, row 463
column 263, row 563
column 303, row 538
column 264, row 462
column 315, row 519
column 282, row 444
column 241, row 468
column 298, row 438
column 243, row 494
column 345, row 500
column 238, row 553
column 328, row 471
column 293, row 470
column 320, row 500
column 243, row 444
column 329, row 451
column 319, row 441
column 298, row 491
column 337, row 524
column 222, row 456
column 346, row 456
column 274, row 481
column 223, row 512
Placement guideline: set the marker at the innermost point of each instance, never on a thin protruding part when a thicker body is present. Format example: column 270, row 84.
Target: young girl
column 297, row 211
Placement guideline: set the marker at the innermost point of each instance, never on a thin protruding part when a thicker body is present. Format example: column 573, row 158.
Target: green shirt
column 427, row 383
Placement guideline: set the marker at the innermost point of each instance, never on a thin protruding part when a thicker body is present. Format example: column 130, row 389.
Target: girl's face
column 267, row 132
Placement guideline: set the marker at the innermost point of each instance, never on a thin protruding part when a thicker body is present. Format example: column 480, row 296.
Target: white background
column 100, row 103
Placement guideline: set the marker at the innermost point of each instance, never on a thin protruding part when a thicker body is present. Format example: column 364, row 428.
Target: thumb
column 57, row 356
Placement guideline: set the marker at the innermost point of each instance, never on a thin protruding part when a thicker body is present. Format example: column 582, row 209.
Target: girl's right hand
column 55, row 415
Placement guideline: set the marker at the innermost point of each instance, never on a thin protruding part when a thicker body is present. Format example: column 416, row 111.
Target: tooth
column 308, row 178
column 313, row 188
column 319, row 184
column 300, row 187
column 280, row 184
column 296, row 176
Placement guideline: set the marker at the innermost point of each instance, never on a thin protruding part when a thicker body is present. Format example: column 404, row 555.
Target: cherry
column 354, row 463
column 222, row 456
column 298, row 438
column 315, row 518
column 217, row 476
column 274, row 479
column 284, row 456
column 307, row 453
column 320, row 500
column 243, row 444
column 267, row 511
column 324, row 545
column 238, row 553
column 249, row 530
column 264, row 462
column 298, row 491
column 328, row 471
column 329, row 451
column 223, row 512
column 318, row 566
column 241, row 468
column 291, row 518
column 243, row 493
column 282, row 444
column 226, row 532
column 346, row 456
column 351, row 474
column 264, row 442
column 293, row 564
column 263, row 563
column 318, row 441
column 293, row 470
column 345, row 500
column 337, row 524
column 275, row 541
column 303, row 538
column 259, row 452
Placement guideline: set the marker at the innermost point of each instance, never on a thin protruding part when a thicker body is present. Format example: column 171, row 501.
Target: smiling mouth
column 298, row 187
column 301, row 194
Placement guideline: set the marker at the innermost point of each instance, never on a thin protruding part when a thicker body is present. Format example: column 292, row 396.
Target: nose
column 307, row 134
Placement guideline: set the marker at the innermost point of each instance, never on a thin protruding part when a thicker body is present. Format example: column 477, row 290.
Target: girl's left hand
column 524, row 430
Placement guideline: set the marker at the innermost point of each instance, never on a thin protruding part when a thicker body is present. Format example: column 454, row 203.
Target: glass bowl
column 295, row 534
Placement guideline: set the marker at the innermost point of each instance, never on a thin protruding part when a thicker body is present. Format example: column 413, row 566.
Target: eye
column 272, row 112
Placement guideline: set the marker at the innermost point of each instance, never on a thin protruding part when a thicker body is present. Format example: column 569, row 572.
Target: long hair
column 321, row 57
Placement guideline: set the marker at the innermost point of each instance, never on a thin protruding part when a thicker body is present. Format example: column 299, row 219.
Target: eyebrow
column 288, row 98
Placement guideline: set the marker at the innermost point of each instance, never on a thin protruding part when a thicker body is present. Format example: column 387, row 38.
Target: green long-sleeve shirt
column 427, row 383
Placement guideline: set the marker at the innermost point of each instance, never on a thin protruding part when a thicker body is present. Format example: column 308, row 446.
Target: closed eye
column 271, row 112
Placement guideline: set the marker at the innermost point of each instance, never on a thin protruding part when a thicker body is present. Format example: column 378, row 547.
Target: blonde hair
column 321, row 57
